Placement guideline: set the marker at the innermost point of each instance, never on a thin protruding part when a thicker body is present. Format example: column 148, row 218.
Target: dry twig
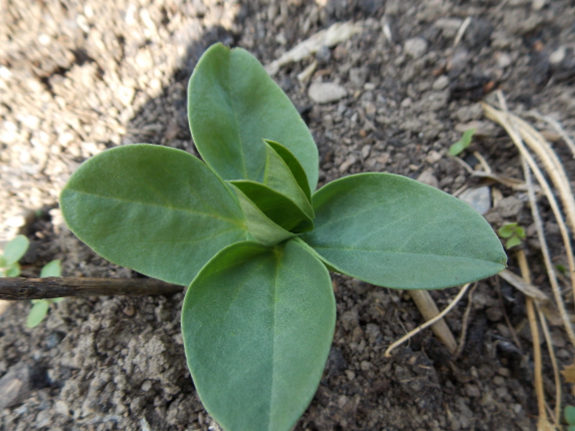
column 428, row 323
column 429, row 310
column 16, row 288
column 558, row 128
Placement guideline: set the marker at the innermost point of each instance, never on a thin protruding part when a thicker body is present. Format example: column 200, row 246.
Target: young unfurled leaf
column 279, row 177
column 260, row 226
column 232, row 105
column 396, row 232
column 157, row 210
column 279, row 208
column 463, row 143
column 294, row 165
column 258, row 324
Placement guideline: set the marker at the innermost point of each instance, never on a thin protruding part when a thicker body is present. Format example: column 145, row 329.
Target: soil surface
column 79, row 77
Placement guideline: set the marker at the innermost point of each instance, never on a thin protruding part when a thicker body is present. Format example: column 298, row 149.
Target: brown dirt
column 79, row 77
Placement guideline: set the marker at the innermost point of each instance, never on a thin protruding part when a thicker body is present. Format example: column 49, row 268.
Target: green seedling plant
column 40, row 307
column 465, row 141
column 9, row 267
column 13, row 252
column 253, row 239
column 513, row 234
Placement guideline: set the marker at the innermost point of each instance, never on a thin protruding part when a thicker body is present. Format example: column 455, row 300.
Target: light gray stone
column 428, row 177
column 15, row 385
column 441, row 83
column 479, row 199
column 358, row 76
column 326, row 92
column 415, row 47
column 509, row 206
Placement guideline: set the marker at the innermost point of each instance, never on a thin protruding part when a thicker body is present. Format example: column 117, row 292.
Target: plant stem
column 17, row 288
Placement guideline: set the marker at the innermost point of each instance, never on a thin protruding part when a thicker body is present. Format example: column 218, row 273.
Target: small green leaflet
column 463, row 143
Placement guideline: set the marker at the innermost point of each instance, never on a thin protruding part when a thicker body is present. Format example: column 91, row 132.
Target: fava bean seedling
column 247, row 231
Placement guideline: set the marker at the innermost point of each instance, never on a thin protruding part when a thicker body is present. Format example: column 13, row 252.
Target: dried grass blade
column 501, row 118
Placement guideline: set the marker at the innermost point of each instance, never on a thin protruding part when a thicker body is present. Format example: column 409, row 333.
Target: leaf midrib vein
column 397, row 252
column 234, row 113
column 212, row 215
column 274, row 318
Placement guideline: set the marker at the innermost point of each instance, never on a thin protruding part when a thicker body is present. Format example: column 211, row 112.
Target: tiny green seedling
column 458, row 147
column 40, row 307
column 513, row 233
column 249, row 234
column 570, row 417
column 13, row 252
column 9, row 267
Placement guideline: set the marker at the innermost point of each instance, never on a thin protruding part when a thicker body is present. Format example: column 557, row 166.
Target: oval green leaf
column 395, row 232
column 37, row 313
column 51, row 269
column 232, row 105
column 15, row 249
column 258, row 325
column 279, row 208
column 157, row 210
column 261, row 227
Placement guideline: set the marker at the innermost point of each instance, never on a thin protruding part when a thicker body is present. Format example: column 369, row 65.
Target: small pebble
column 415, row 47
column 358, row 76
column 323, row 55
column 326, row 92
column 441, row 83
column 479, row 199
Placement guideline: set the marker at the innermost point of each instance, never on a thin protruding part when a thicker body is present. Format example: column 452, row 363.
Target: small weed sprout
column 513, row 233
column 13, row 252
column 40, row 307
column 9, row 267
column 458, row 147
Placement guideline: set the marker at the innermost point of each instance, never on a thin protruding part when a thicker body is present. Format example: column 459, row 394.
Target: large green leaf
column 157, row 210
column 258, row 324
column 232, row 105
column 396, row 232
column 276, row 206
column 261, row 227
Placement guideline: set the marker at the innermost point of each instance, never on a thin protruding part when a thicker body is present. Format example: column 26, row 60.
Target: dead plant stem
column 420, row 328
column 16, row 288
